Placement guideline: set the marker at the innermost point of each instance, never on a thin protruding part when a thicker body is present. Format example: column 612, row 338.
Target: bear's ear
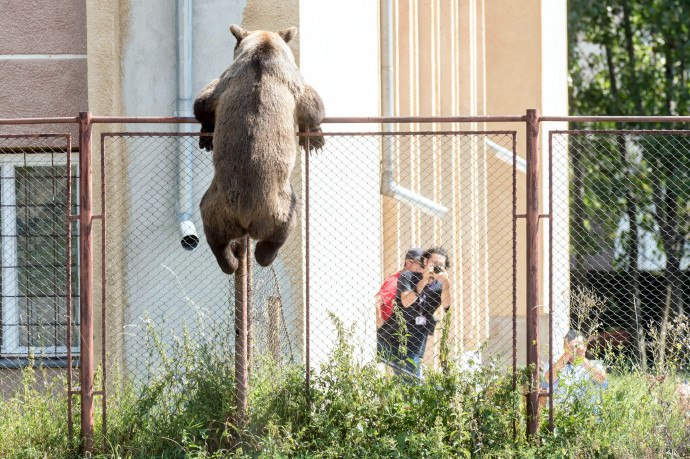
column 238, row 32
column 288, row 34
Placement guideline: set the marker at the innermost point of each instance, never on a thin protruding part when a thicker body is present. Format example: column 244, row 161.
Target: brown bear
column 252, row 110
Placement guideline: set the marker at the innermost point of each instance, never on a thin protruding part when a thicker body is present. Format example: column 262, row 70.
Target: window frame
column 9, row 254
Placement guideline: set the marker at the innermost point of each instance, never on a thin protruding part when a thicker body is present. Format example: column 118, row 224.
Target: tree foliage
column 629, row 57
column 632, row 57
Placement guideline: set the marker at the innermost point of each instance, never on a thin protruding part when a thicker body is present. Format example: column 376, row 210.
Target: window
column 34, row 266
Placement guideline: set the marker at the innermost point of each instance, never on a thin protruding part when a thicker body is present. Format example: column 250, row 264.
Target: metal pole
column 532, row 156
column 85, row 282
column 551, row 282
column 250, row 325
column 70, row 422
column 515, row 267
column 307, row 325
column 104, row 303
column 241, row 333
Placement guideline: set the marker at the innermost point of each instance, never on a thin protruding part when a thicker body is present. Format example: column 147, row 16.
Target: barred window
column 33, row 279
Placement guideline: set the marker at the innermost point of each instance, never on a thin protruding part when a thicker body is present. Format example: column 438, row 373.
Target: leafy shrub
column 352, row 410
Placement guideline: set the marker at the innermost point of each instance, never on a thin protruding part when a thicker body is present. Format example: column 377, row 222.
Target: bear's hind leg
column 221, row 229
column 223, row 244
column 267, row 248
column 226, row 255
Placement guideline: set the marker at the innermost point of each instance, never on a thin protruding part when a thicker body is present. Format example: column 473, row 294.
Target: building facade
column 450, row 58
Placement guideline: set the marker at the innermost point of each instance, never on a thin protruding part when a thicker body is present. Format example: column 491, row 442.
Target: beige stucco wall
column 474, row 57
column 273, row 15
column 107, row 31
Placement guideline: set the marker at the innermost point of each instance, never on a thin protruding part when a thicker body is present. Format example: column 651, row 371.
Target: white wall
column 149, row 82
column 554, row 102
column 152, row 240
column 339, row 58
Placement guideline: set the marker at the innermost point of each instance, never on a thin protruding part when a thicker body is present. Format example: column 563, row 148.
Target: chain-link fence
column 171, row 310
column 629, row 219
column 359, row 237
column 163, row 299
column 616, row 266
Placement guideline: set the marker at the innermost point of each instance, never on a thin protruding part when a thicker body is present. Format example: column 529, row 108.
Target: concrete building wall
column 474, row 57
column 477, row 57
column 339, row 58
column 43, row 73
column 42, row 61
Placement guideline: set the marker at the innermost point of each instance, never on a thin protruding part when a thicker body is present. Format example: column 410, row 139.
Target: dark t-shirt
column 425, row 306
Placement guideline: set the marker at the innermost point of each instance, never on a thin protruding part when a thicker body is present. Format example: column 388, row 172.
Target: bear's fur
column 251, row 110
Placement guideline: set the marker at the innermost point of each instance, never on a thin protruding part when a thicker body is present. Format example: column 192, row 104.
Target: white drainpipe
column 189, row 238
column 388, row 185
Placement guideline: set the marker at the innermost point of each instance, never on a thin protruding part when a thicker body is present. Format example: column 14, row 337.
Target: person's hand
column 577, row 349
column 581, row 350
column 427, row 275
column 569, row 353
column 379, row 305
column 442, row 276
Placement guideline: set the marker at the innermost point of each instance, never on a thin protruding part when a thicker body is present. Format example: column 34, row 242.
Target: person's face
column 578, row 346
column 413, row 265
column 436, row 259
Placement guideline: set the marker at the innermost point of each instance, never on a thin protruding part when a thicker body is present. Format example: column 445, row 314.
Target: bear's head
column 263, row 41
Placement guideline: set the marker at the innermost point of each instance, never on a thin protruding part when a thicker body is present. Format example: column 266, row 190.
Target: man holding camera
column 419, row 295
column 385, row 340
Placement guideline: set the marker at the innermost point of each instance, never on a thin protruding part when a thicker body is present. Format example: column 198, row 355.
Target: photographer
column 419, row 295
column 385, row 340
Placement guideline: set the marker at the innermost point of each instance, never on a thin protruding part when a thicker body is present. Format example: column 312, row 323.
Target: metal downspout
column 189, row 238
column 388, row 185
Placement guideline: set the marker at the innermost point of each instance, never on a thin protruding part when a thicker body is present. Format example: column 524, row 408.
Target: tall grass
column 33, row 420
column 186, row 409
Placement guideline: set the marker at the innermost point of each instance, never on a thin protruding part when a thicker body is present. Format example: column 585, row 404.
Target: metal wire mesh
column 159, row 293
column 164, row 308
column 39, row 294
column 358, row 238
column 165, row 301
column 625, row 219
column 629, row 218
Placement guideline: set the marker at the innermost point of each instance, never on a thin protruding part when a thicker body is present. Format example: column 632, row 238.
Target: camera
column 438, row 269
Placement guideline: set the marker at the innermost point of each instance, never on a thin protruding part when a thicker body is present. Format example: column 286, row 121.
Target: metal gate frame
column 85, row 122
column 578, row 132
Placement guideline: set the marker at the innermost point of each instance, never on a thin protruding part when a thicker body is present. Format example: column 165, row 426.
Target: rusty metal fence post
column 307, row 290
column 241, row 313
column 86, row 282
column 532, row 185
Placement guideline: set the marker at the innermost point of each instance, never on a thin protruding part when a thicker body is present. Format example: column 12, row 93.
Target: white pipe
column 388, row 185
column 506, row 155
column 189, row 238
